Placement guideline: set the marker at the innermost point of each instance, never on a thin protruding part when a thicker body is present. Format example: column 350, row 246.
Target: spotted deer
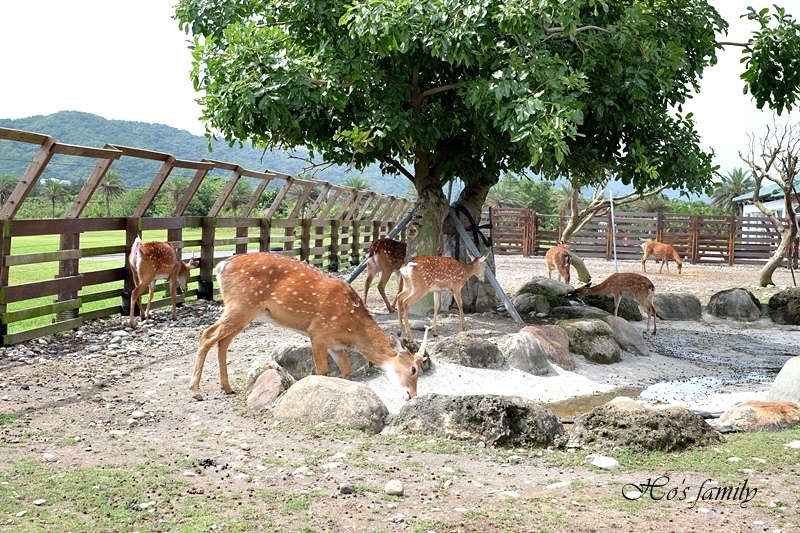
column 284, row 291
column 663, row 251
column 557, row 258
column 151, row 261
column 622, row 284
column 385, row 256
column 424, row 274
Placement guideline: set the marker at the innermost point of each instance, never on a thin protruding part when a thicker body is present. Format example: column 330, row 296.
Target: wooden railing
column 701, row 239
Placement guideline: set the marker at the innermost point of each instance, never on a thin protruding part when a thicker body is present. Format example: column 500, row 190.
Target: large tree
column 450, row 89
column 736, row 183
column 775, row 157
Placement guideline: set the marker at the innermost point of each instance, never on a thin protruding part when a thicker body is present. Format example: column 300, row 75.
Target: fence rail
column 700, row 239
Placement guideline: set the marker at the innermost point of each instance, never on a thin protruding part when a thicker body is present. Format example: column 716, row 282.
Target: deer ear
column 396, row 343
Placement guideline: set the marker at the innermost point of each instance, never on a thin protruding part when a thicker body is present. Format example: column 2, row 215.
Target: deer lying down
column 663, row 251
column 151, row 261
column 280, row 290
column 624, row 284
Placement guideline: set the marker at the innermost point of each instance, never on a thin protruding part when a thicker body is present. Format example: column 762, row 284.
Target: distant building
column 772, row 198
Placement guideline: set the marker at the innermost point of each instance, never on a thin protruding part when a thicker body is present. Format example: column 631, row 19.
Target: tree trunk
column 580, row 268
column 765, row 275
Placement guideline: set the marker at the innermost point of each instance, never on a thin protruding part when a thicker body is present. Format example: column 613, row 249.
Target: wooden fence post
column 694, row 238
column 205, row 284
column 660, row 218
column 333, row 254
column 355, row 256
column 264, row 235
column 534, row 233
column 5, row 251
column 305, row 238
column 68, row 268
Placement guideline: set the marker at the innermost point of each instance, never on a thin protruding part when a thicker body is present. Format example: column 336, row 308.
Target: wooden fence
column 331, row 226
column 700, row 239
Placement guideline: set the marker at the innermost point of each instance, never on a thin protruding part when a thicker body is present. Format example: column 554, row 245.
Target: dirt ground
column 115, row 398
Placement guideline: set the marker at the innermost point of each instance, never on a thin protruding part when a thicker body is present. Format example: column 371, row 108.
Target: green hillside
column 85, row 129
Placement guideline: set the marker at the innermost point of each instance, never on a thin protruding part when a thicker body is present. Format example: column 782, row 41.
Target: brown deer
column 624, row 284
column 151, row 261
column 284, row 291
column 663, row 251
column 558, row 258
column 385, row 256
column 424, row 274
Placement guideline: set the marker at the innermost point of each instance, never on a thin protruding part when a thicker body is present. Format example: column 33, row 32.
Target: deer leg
column 617, row 300
column 173, row 293
column 399, row 279
column 382, row 289
column 644, row 262
column 457, row 296
column 368, row 282
column 342, row 361
column 149, row 299
column 320, row 354
column 136, row 299
column 222, row 358
column 437, row 300
column 222, row 332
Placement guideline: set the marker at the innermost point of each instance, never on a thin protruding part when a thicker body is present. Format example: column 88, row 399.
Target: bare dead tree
column 774, row 157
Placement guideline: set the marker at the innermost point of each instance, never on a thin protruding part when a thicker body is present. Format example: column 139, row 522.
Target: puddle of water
column 684, row 390
column 569, row 409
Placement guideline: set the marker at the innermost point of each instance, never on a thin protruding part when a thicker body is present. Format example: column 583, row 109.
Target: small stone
column 795, row 444
column 558, row 485
column 138, row 414
column 346, row 488
column 50, row 458
column 40, row 501
column 394, row 487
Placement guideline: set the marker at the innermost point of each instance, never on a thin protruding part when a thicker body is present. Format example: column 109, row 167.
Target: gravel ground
column 111, row 397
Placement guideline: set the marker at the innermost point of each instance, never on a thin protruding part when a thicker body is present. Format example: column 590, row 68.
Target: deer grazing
column 385, row 256
column 151, row 261
column 558, row 258
column 284, row 291
column 424, row 274
column 663, row 251
column 624, row 284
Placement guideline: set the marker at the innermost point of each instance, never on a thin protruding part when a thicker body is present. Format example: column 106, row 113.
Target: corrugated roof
column 772, row 192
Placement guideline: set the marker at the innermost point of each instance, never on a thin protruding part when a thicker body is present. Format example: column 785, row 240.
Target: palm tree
column 7, row 185
column 737, row 182
column 112, row 186
column 505, row 193
column 55, row 193
column 239, row 197
column 358, row 182
column 175, row 188
column 652, row 204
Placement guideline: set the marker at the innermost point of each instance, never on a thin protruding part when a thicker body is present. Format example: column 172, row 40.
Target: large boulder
column 494, row 420
column 540, row 296
column 524, row 352
column 628, row 308
column 627, row 336
column 469, row 348
column 677, row 306
column 543, row 285
column 554, row 342
column 593, row 339
column 265, row 382
column 577, row 311
column 611, row 425
column 754, row 415
column 736, row 304
column 784, row 307
column 298, row 361
column 338, row 402
column 786, row 387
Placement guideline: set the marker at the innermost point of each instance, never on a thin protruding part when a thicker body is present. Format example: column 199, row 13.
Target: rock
column 469, row 348
column 784, row 307
column 578, row 311
column 524, row 352
column 346, row 488
column 592, row 339
column 555, row 344
column 334, row 401
column 268, row 387
column 494, row 420
column 297, row 360
column 736, row 304
column 260, row 366
column 628, row 308
column 786, row 387
column 49, row 457
column 394, row 487
column 755, row 415
column 608, row 426
column 625, row 404
column 603, row 462
column 677, row 306
column 627, row 336
column 531, row 303
column 546, row 286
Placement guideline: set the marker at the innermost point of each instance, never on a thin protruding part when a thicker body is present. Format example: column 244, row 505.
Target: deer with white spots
column 385, row 256
column 663, row 251
column 151, row 261
column 284, row 291
column 424, row 274
column 622, row 284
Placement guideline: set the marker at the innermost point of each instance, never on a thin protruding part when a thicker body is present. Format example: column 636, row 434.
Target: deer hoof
column 198, row 397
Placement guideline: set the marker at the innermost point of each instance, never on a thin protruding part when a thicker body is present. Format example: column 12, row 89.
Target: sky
column 130, row 61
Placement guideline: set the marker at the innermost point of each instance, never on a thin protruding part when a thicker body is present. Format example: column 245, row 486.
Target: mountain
column 86, row 129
